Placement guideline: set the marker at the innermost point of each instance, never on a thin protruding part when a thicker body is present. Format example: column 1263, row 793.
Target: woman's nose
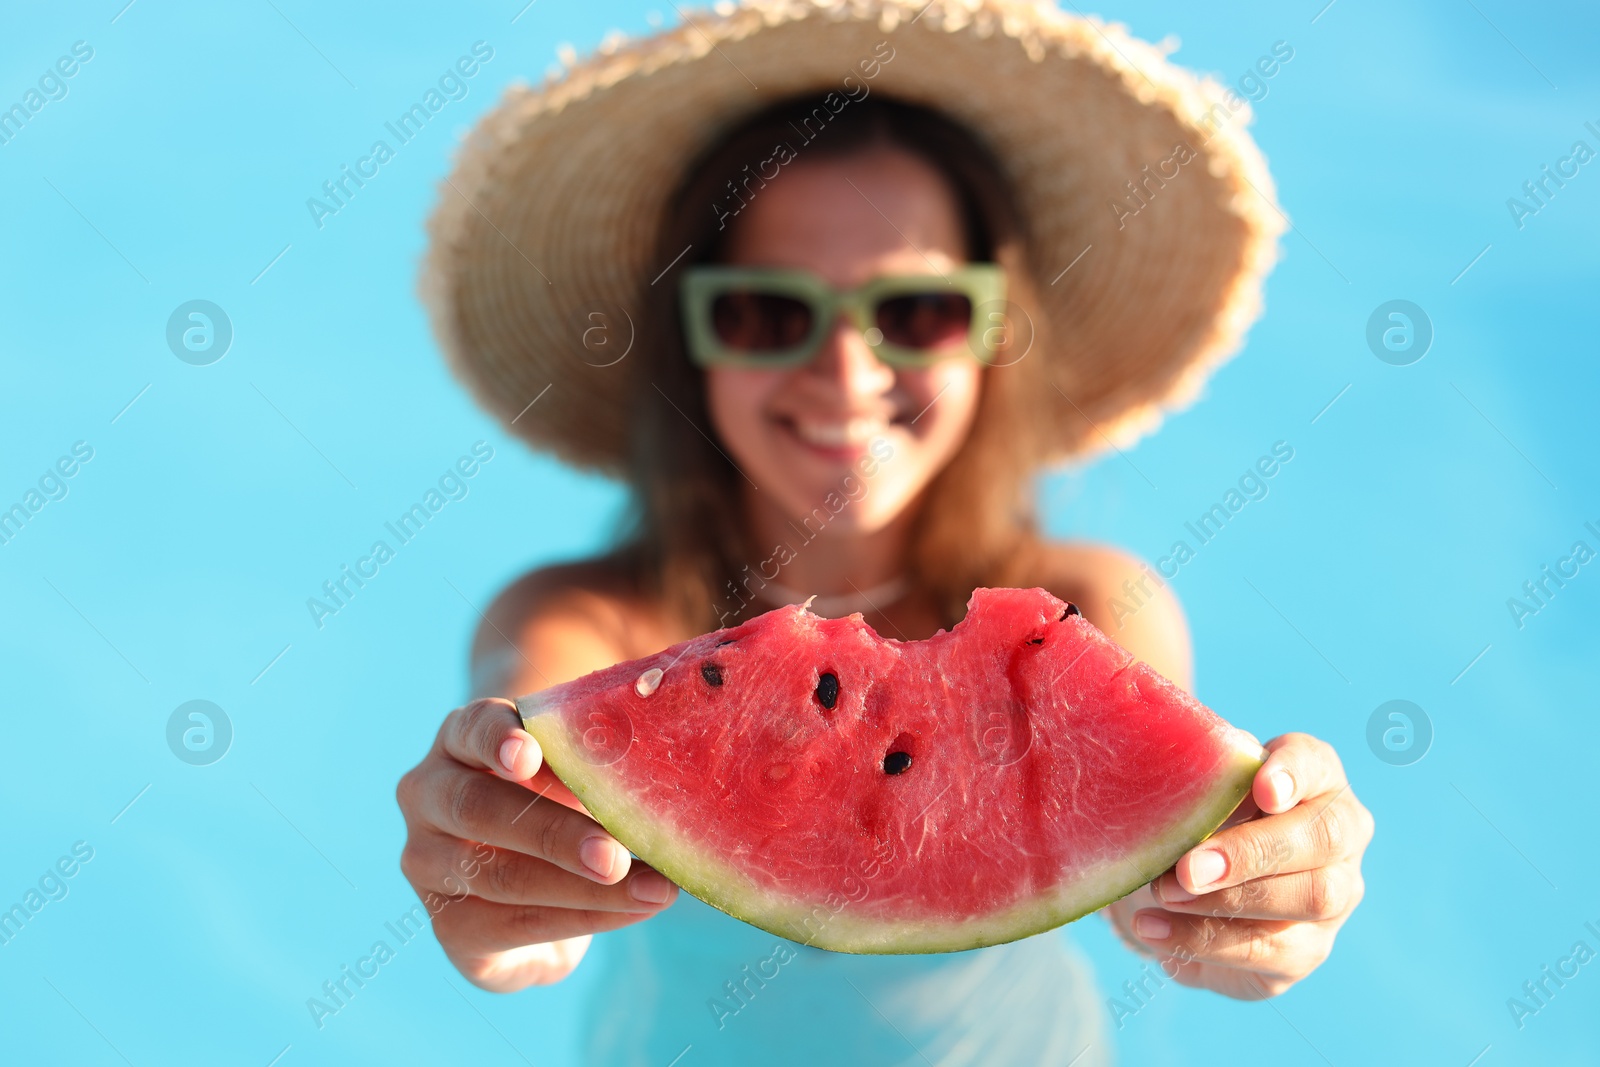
column 850, row 363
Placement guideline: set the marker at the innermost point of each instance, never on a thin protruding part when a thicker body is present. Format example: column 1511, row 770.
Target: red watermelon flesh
column 863, row 794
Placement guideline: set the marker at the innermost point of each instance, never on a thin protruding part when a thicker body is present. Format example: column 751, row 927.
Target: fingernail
column 601, row 855
column 509, row 749
column 1172, row 891
column 1152, row 927
column 1205, row 867
column 1282, row 788
column 649, row 887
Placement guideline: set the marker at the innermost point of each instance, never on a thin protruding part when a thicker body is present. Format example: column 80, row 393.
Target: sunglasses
column 771, row 317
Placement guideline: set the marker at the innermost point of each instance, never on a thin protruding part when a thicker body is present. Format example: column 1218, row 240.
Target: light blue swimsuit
column 695, row 979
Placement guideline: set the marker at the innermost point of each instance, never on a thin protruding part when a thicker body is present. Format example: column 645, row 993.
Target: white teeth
column 854, row 431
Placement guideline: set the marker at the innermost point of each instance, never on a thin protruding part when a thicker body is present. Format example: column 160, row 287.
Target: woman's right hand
column 514, row 873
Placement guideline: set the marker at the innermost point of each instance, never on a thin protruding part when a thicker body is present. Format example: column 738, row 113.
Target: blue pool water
column 207, row 903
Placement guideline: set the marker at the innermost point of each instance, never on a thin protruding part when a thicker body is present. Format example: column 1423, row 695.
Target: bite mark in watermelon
column 863, row 794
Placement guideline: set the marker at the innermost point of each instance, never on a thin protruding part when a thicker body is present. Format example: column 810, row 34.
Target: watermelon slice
column 861, row 794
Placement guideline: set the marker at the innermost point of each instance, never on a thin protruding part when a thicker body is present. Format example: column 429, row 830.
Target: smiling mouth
column 834, row 435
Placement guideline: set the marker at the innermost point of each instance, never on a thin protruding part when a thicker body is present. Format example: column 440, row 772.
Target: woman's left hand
column 1255, row 907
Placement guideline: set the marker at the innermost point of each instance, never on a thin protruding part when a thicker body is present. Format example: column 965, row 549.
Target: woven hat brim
column 545, row 233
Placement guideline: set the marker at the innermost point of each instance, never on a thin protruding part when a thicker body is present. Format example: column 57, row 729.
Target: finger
column 1264, row 946
column 474, row 927
column 518, row 968
column 1300, row 766
column 450, row 866
column 1319, row 895
column 1307, row 836
column 544, row 783
column 1229, row 981
column 479, row 807
column 488, row 734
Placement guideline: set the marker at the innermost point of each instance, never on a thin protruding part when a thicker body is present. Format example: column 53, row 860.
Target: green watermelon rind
column 817, row 924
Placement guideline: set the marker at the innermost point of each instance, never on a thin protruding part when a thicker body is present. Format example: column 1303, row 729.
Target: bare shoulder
column 1124, row 596
column 559, row 622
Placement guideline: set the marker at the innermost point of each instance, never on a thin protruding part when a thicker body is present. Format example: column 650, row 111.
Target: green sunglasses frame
column 984, row 284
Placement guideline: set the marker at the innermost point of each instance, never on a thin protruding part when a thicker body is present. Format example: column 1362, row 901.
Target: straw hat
column 1151, row 214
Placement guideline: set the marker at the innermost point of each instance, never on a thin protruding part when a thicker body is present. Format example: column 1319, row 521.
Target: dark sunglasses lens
column 756, row 322
column 925, row 320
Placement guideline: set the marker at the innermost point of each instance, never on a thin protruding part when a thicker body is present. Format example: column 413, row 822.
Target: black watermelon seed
column 711, row 673
column 897, row 763
column 828, row 690
column 1072, row 609
column 725, row 641
column 1036, row 641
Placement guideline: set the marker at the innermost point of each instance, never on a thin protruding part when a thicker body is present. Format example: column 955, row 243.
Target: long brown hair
column 684, row 538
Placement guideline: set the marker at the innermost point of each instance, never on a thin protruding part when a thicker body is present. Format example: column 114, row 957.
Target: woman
column 777, row 449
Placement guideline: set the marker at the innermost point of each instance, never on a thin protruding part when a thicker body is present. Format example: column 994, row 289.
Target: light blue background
column 178, row 566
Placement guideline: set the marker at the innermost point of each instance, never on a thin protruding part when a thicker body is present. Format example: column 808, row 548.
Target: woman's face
column 803, row 433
